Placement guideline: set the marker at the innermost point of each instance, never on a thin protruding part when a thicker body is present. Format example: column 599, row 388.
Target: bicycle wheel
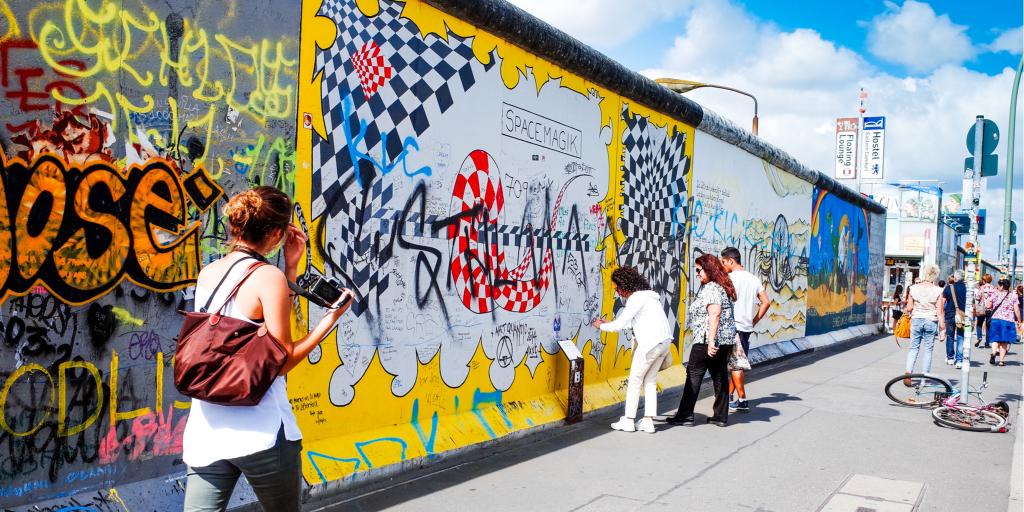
column 969, row 418
column 922, row 391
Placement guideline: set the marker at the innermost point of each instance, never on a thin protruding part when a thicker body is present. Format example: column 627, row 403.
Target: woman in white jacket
column 651, row 338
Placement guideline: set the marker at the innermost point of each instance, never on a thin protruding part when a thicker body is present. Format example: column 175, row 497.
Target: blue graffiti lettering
column 360, row 445
column 354, row 135
column 313, row 456
column 494, row 397
column 428, row 442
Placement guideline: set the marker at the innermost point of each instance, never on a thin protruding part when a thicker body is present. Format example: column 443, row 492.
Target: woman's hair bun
column 243, row 207
column 253, row 213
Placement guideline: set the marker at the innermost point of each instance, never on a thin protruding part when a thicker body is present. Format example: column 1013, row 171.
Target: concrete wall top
column 506, row 20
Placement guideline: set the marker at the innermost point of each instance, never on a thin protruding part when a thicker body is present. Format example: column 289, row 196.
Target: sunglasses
column 700, row 270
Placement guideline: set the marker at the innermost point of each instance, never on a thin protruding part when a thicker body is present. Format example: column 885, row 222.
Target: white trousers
column 644, row 373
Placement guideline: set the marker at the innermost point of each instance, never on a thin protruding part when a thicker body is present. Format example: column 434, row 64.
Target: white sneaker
column 959, row 366
column 646, row 425
column 949, row 361
column 625, row 424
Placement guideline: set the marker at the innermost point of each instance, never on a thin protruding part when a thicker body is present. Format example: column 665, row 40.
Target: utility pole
column 974, row 172
column 860, row 138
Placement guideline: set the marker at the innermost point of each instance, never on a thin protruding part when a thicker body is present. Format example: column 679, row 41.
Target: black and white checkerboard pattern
column 428, row 76
column 509, row 236
column 654, row 210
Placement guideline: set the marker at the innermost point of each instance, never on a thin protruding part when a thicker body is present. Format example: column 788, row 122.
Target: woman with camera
column 261, row 441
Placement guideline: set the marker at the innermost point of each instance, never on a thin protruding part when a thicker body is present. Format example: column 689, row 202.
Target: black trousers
column 718, row 367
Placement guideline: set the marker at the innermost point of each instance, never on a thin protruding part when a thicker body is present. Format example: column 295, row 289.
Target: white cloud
column 913, row 36
column 603, row 24
column 1009, row 41
column 757, row 53
column 803, row 82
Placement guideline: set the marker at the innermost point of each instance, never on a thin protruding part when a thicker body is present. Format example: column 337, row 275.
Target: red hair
column 716, row 272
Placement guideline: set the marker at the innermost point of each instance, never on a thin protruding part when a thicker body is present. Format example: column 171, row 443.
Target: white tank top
column 217, row 432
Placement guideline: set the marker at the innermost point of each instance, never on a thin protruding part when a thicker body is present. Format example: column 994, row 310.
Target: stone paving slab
column 816, row 419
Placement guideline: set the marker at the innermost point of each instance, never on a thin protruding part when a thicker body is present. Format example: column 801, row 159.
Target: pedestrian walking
column 714, row 333
column 955, row 296
column 1005, row 309
column 263, row 442
column 1020, row 304
column 652, row 335
column 751, row 305
column 923, row 305
column 897, row 301
column 983, row 314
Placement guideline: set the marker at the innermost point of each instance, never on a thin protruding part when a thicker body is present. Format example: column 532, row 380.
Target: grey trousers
column 275, row 475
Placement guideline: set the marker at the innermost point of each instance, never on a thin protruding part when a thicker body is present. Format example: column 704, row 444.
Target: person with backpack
column 955, row 296
column 1005, row 317
column 982, row 313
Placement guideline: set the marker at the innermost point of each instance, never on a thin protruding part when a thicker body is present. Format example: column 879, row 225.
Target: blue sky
column 984, row 21
column 929, row 67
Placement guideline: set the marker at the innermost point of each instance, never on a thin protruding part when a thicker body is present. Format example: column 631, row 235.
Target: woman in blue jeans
column 926, row 324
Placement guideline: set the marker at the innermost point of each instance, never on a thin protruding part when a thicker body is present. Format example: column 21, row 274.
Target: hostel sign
column 872, row 149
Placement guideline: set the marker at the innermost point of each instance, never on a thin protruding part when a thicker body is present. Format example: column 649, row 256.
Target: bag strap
column 213, row 294
column 234, row 290
column 1007, row 294
column 952, row 291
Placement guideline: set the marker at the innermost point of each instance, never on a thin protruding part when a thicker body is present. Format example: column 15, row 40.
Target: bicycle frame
column 954, row 398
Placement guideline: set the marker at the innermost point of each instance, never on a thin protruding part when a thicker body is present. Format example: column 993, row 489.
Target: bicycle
column 922, row 390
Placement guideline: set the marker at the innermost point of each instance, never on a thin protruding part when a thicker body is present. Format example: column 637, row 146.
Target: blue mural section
column 837, row 274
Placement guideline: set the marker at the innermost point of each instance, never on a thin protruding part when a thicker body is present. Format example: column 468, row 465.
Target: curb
column 1016, row 498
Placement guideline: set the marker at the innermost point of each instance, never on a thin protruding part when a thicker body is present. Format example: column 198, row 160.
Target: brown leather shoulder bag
column 224, row 360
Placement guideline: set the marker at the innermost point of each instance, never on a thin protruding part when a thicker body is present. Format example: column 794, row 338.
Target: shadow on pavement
column 475, row 462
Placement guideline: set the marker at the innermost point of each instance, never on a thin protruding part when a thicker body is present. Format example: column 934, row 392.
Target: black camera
column 320, row 290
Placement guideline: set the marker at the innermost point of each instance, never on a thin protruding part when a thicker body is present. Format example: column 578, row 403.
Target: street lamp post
column 685, row 86
column 1008, row 194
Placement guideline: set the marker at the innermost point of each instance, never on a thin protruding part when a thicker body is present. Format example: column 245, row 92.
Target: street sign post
column 989, row 140
column 982, row 139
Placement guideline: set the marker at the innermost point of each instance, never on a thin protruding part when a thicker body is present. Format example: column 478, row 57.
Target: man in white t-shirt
column 750, row 307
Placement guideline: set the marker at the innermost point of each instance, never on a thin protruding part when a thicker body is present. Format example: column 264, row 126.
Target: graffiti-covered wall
column 472, row 185
column 125, row 124
column 745, row 202
column 838, row 265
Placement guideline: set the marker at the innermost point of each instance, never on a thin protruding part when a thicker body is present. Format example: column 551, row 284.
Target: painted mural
column 742, row 201
column 837, row 274
column 475, row 196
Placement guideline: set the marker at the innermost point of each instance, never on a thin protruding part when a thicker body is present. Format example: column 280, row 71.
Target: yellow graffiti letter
column 62, row 400
column 115, row 416
column 30, row 367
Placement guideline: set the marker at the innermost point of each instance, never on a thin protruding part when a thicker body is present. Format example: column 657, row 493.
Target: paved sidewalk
column 820, row 432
